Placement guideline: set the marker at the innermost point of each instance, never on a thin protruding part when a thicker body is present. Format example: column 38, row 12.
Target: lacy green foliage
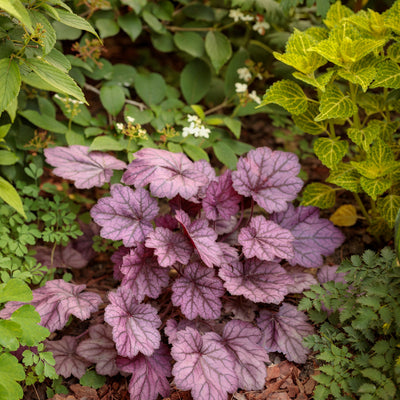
column 358, row 339
column 351, row 74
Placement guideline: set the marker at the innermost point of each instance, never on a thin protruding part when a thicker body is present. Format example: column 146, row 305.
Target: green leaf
column 12, row 110
column 234, row 125
column 17, row 10
column 225, row 154
column 154, row 23
column 397, row 235
column 306, row 121
column 9, row 333
column 75, row 21
column 195, row 152
column 190, row 42
column 49, row 37
column 151, row 88
column 345, row 215
column 195, row 80
column 58, row 60
column 387, row 75
column 374, row 375
column 107, row 27
column 15, row 290
column 345, row 176
column 8, row 157
column 141, row 116
column 389, row 207
column 106, row 143
column 93, row 380
column 112, row 98
column 319, row 195
column 44, row 121
column 231, row 76
column 288, row 95
column 218, row 48
column 336, row 13
column 375, row 187
column 362, row 137
column 334, row 104
column 319, row 82
column 238, row 148
column 330, row 151
column 10, row 372
column 10, row 78
column 131, row 25
column 10, row 196
column 393, row 52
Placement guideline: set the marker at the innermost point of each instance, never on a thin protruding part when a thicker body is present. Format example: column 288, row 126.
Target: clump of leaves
column 220, row 244
column 351, row 69
column 358, row 340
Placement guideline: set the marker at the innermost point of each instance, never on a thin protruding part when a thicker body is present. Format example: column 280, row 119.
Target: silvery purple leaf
column 266, row 240
column 172, row 327
column 149, row 374
column 204, row 167
column 166, row 221
column 284, row 331
column 242, row 341
column 302, row 279
column 198, row 292
column 87, row 169
column 169, row 247
column 203, row 365
column 229, row 253
column 202, row 237
column 56, row 301
column 61, row 257
column 269, row 177
column 257, row 280
column 100, row 349
column 84, row 243
column 135, row 325
column 168, row 173
column 240, row 307
column 328, row 273
column 221, row 200
column 190, row 207
column 142, row 274
column 126, row 215
column 314, row 237
column 68, row 362
column 223, row 226
column 117, row 259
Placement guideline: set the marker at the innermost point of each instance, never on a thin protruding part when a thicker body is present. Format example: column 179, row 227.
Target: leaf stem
column 362, row 208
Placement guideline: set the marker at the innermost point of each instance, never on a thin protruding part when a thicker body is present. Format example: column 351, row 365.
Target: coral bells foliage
column 181, row 267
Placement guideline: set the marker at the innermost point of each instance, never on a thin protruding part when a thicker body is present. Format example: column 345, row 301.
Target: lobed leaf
column 11, row 371
column 302, row 280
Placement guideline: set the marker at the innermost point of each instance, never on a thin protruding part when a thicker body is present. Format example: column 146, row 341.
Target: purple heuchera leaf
column 149, row 374
column 168, row 173
column 302, row 280
column 202, row 237
column 198, row 292
column 84, row 243
column 328, row 273
column 257, row 280
column 240, row 307
column 221, row 200
column 100, row 349
column 172, row 327
column 314, row 237
column 166, row 221
column 206, row 169
column 86, row 168
column 266, row 240
column 191, row 208
column 170, row 247
column 134, row 325
column 117, row 259
column 269, row 177
column 142, row 274
column 242, row 341
column 203, row 365
column 126, row 215
column 56, row 301
column 68, row 362
column 284, row 331
column 61, row 257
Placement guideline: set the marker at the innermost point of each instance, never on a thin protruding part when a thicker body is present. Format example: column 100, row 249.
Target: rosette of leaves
column 357, row 308
column 220, row 245
column 346, row 94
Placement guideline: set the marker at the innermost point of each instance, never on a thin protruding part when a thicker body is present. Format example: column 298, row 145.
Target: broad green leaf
column 15, row 290
column 306, row 121
column 330, row 151
column 10, row 82
column 4, row 130
column 107, row 27
column 151, row 88
column 199, row 111
column 336, row 13
column 174, row 147
column 238, row 148
column 195, row 152
column 12, row 110
column 234, row 125
column 375, row 187
column 106, row 143
column 218, row 48
column 225, row 154
column 11, row 371
column 319, row 195
column 387, row 75
column 49, row 37
column 58, row 60
column 75, row 21
column 319, row 82
column 44, row 121
column 334, row 104
column 131, row 25
column 73, row 138
column 92, row 379
column 345, row 215
column 388, row 207
column 65, row 32
column 8, row 157
column 9, row 333
column 141, row 116
column 288, row 95
column 10, row 196
column 154, row 23
column 195, row 80
column 163, row 43
column 362, row 137
column 112, row 98
column 190, row 42
column 17, row 10
column 56, row 78
column 231, row 76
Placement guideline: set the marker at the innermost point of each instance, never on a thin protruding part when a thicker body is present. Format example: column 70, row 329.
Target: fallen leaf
column 273, row 372
column 84, row 392
column 345, row 215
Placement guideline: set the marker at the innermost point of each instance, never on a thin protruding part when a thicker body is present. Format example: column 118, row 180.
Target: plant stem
column 362, row 208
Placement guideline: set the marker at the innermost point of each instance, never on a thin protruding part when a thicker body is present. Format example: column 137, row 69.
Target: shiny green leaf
column 195, row 80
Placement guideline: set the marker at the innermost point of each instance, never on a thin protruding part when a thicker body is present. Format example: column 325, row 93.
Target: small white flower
column 130, row 119
column 119, row 126
column 247, row 18
column 195, row 128
column 237, row 16
column 240, row 87
column 253, row 96
column 260, row 27
column 244, row 74
column 193, row 118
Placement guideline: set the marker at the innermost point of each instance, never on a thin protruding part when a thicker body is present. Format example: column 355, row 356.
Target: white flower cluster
column 240, row 87
column 237, row 16
column 67, row 100
column 195, row 128
column 260, row 27
column 244, row 74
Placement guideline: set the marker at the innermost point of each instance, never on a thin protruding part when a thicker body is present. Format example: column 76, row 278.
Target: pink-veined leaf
column 68, row 362
column 284, row 331
column 302, row 279
column 166, row 221
column 202, row 237
column 328, row 273
column 257, row 280
column 314, row 237
column 221, row 200
column 203, row 365
column 134, row 324
column 169, row 174
column 117, row 259
column 266, row 240
column 223, row 226
column 56, row 301
column 87, row 169
column 126, row 215
column 169, row 247
column 190, row 207
column 149, row 374
column 240, row 307
column 269, row 177
column 142, row 274
column 100, row 349
column 206, row 169
column 198, row 292
column 84, row 243
column 172, row 327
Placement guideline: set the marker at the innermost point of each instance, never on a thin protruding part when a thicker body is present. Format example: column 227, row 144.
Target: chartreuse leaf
column 288, row 95
column 218, row 48
column 11, row 371
column 370, row 21
column 384, row 129
column 10, row 78
column 388, row 207
column 318, row 195
column 387, row 75
column 375, row 187
column 306, row 121
column 8, row 157
column 319, row 82
column 330, row 151
column 9, row 334
column 75, row 21
column 336, row 13
column 15, row 290
column 345, row 215
column 195, row 80
column 362, row 137
column 397, row 235
column 392, row 17
column 361, row 73
column 393, row 52
column 329, row 50
column 17, row 10
column 334, row 104
column 10, row 196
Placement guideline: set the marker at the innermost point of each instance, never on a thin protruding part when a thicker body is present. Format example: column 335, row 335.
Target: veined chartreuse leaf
column 336, row 13
column 330, row 151
column 306, row 121
column 387, row 75
column 319, row 195
column 375, row 187
column 345, row 176
column 319, row 81
column 389, row 207
column 15, row 290
column 363, row 137
column 363, row 75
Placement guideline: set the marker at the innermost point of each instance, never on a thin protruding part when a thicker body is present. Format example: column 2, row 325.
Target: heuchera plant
column 222, row 244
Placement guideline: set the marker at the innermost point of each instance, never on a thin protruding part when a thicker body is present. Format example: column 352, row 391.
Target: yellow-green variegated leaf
column 347, row 177
column 288, row 95
column 363, row 76
column 305, row 121
column 319, row 82
column 371, row 22
column 387, row 75
column 379, row 227
column 388, row 207
column 353, row 50
column 330, row 50
column 330, row 151
column 384, row 129
column 375, row 187
column 336, row 13
column 299, row 43
column 393, row 52
column 318, row 195
column 371, row 103
column 334, row 104
column 345, row 215
column 392, row 17
column 318, row 33
column 363, row 137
